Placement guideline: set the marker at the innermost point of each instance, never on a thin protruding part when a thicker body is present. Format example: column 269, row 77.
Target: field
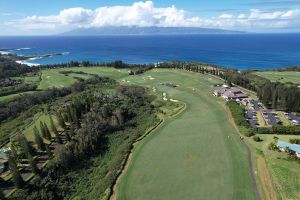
column 28, row 131
column 52, row 78
column 284, row 77
column 284, row 172
column 196, row 154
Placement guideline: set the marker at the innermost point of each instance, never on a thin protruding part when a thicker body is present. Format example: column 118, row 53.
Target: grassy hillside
column 284, row 77
column 52, row 78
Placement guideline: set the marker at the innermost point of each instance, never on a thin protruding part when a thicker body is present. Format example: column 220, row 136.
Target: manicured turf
column 54, row 79
column 283, row 77
column 196, row 155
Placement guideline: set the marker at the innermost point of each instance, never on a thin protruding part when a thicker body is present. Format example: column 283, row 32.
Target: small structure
column 288, row 147
column 234, row 93
column 230, row 93
column 220, row 91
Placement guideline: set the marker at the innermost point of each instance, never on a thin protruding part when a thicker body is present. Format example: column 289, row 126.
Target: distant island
column 134, row 30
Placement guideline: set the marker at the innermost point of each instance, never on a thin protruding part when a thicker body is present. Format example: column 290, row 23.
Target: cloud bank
column 145, row 14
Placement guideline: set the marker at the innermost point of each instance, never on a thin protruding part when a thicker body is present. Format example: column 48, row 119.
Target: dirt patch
column 114, row 194
column 265, row 179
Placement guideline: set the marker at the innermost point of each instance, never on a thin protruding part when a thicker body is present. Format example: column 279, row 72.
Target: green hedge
column 238, row 114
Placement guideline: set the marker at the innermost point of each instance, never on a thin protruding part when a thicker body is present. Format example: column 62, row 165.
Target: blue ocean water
column 245, row 51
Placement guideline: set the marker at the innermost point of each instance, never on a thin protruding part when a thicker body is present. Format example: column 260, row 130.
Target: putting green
column 196, row 155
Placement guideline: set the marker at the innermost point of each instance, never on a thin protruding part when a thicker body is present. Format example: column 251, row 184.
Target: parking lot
column 255, row 105
column 271, row 118
column 295, row 120
column 252, row 118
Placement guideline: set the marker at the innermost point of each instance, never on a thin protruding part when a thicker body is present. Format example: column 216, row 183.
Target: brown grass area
column 265, row 179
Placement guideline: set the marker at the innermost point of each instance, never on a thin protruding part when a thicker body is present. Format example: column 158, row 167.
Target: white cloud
column 146, row 14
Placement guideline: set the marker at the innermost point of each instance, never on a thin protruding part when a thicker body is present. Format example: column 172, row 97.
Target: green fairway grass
column 196, row 155
column 54, row 79
column 284, row 77
column 12, row 96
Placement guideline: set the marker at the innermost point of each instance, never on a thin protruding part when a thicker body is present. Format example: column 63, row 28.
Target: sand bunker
column 173, row 100
column 165, row 96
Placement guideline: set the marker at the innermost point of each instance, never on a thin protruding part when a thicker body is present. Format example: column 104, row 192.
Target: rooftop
column 293, row 147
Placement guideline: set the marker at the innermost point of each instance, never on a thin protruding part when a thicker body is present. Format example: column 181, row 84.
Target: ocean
column 244, row 51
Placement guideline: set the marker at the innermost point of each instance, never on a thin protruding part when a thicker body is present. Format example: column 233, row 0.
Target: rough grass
column 284, row 120
column 101, row 71
column 82, row 76
column 13, row 96
column 284, row 172
column 284, row 77
column 196, row 154
column 28, row 131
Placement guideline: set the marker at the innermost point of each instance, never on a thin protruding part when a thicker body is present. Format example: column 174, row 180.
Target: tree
column 46, row 131
column 53, row 127
column 68, row 137
column 54, row 130
column 33, row 165
column 44, row 134
column 257, row 139
column 38, row 139
column 25, row 145
column 16, row 176
column 48, row 150
column 2, row 196
column 61, row 120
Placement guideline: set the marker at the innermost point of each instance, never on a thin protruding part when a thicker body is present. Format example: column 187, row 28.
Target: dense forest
column 100, row 122
column 11, row 68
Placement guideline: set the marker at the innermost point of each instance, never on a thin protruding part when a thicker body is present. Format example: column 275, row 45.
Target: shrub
column 257, row 139
column 273, row 146
column 295, row 141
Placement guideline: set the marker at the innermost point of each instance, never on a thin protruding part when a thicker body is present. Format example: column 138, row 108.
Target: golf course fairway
column 195, row 155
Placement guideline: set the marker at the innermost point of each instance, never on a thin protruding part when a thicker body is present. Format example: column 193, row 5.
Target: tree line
column 274, row 95
column 90, row 118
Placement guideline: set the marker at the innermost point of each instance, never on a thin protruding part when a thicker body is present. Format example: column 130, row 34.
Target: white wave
column 4, row 52
column 27, row 63
column 34, row 58
column 65, row 53
column 25, row 48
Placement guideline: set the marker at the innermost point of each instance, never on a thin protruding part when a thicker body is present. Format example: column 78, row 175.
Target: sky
column 44, row 17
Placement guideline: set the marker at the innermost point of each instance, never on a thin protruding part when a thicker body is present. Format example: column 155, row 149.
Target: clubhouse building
column 230, row 93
